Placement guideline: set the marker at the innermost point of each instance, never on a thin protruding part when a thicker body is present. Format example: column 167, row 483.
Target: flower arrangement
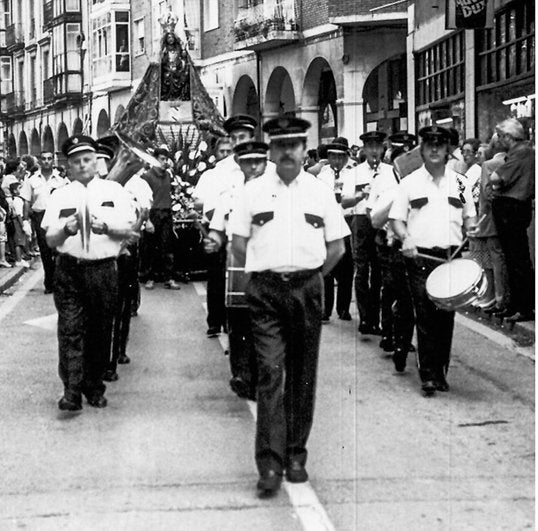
column 191, row 157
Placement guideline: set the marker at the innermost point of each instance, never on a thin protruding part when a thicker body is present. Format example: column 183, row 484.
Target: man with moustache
column 288, row 230
column 86, row 222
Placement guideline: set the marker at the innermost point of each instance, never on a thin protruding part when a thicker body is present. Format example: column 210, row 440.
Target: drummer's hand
column 133, row 237
column 150, row 227
column 71, row 225
column 472, row 231
column 98, row 226
column 211, row 245
column 409, row 248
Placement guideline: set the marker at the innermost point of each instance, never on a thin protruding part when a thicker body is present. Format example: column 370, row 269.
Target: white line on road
column 496, row 337
column 303, row 498
column 20, row 293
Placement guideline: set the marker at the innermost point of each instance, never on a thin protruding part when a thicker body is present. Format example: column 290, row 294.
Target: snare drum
column 236, row 283
column 457, row 284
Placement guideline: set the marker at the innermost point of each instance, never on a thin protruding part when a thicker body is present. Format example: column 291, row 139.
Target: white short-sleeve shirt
column 328, row 176
column 37, row 190
column 361, row 177
column 107, row 200
column 434, row 212
column 287, row 225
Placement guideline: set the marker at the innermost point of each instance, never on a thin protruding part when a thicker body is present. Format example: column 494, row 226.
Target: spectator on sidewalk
column 513, row 194
column 4, row 210
column 322, row 160
column 21, row 227
column 455, row 157
column 37, row 191
column 469, row 152
column 484, row 244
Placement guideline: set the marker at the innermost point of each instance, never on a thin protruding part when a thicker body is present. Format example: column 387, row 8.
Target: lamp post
column 82, row 51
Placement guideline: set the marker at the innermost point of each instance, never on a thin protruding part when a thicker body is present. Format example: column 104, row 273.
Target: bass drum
column 457, row 284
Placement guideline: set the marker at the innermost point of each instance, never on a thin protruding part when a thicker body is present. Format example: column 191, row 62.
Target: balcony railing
column 62, row 88
column 15, row 102
column 14, row 36
column 265, row 25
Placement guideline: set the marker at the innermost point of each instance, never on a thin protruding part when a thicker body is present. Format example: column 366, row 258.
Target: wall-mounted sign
column 469, row 14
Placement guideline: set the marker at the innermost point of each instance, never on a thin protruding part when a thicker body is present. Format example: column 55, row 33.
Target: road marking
column 497, row 337
column 20, row 293
column 303, row 498
column 47, row 322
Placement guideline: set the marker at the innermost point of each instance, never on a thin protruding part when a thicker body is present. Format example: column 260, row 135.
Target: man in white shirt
column 288, row 230
column 37, row 191
column 86, row 221
column 355, row 195
column 428, row 216
column 333, row 175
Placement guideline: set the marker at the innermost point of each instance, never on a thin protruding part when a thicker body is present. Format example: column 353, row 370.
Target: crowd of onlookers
column 17, row 236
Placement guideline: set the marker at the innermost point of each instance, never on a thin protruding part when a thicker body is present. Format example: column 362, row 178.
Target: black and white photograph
column 267, row 265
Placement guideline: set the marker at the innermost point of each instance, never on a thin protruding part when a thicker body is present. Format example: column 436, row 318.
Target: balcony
column 108, row 75
column 265, row 26
column 15, row 103
column 14, row 37
column 62, row 89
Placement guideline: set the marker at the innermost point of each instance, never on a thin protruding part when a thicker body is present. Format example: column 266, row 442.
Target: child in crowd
column 3, row 238
column 21, row 228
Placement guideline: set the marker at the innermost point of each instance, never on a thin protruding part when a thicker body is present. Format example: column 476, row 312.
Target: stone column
column 470, row 84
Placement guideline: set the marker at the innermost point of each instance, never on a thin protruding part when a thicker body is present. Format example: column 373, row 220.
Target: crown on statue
column 168, row 22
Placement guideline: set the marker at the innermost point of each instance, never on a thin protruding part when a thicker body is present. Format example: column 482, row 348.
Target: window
column 140, row 45
column 211, row 14
column 5, row 21
column 507, row 50
column 111, row 43
column 441, row 70
column 6, row 83
column 72, row 5
column 45, row 58
column 71, row 47
column 122, row 41
column 33, row 86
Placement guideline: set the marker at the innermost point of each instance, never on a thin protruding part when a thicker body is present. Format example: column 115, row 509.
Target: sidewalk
column 9, row 276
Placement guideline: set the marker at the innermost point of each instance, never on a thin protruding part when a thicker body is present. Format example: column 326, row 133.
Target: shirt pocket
column 418, row 202
column 455, row 208
column 314, row 220
column 262, row 218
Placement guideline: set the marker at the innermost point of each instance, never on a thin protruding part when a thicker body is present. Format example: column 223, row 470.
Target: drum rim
column 476, row 281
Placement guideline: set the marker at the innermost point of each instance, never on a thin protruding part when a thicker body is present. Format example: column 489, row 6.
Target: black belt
column 73, row 260
column 437, row 252
column 290, row 276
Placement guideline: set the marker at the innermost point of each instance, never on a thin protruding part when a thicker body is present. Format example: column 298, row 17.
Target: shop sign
column 469, row 14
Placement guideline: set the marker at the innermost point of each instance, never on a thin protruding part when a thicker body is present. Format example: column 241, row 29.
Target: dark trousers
column 434, row 326
column 85, row 296
column 47, row 254
column 216, row 287
column 512, row 219
column 286, row 327
column 127, row 295
column 397, row 318
column 160, row 245
column 367, row 270
column 343, row 274
column 242, row 356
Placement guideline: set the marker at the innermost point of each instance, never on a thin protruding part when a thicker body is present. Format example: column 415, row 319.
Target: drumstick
column 435, row 258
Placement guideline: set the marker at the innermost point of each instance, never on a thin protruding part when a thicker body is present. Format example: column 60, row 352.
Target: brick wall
column 221, row 39
column 342, row 8
column 312, row 13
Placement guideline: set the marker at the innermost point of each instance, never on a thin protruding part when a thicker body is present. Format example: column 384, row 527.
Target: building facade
column 472, row 79
column 68, row 66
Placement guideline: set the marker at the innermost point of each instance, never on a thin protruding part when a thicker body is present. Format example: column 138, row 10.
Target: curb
column 13, row 275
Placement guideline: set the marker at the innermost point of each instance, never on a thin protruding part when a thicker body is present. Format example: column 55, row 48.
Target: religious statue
column 175, row 67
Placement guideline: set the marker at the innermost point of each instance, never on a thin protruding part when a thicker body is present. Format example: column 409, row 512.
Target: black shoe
column 429, row 387
column 124, row 359
column 240, row 387
column 368, row 329
column 442, row 385
column 269, row 483
column 69, row 405
column 386, row 344
column 296, row 472
column 502, row 312
column 325, row 319
column 399, row 359
column 213, row 331
column 98, row 401
column 518, row 317
column 110, row 376
column 344, row 316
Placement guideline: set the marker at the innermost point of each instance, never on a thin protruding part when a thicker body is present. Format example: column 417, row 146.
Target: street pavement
column 174, row 448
